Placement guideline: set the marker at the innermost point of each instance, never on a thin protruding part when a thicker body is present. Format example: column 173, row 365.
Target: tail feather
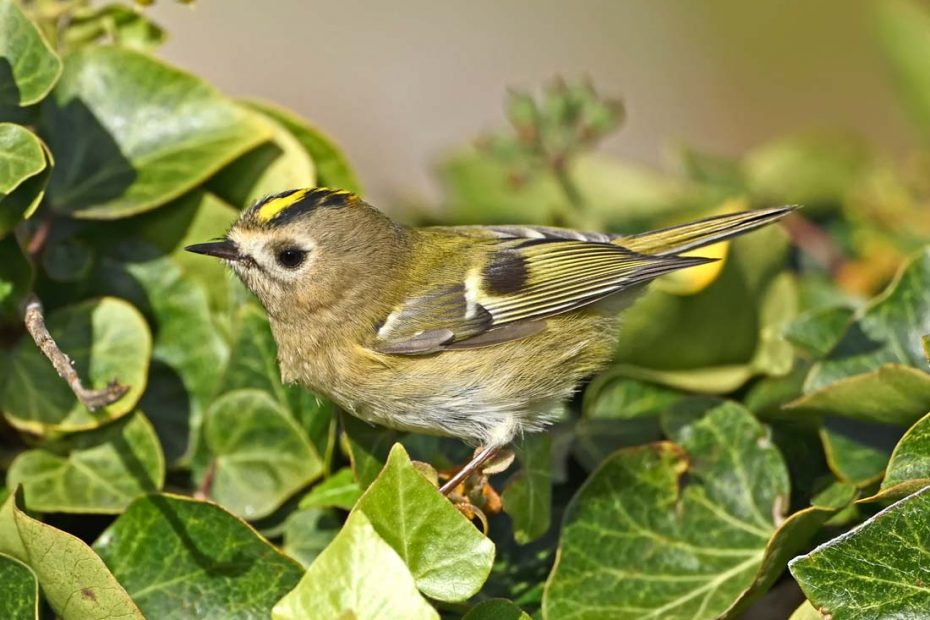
column 697, row 234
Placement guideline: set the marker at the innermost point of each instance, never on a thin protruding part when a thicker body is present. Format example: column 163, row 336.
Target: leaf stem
column 92, row 399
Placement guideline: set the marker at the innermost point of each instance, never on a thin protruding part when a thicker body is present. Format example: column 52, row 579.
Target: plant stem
column 92, row 399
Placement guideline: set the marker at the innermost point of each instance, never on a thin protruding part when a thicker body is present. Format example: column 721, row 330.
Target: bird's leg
column 473, row 465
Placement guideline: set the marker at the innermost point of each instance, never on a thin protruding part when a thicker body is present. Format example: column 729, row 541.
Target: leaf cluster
column 765, row 413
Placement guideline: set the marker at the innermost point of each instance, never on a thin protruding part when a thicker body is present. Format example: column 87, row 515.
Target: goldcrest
column 473, row 332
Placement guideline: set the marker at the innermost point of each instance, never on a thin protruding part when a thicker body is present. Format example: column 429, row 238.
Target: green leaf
column 852, row 460
column 893, row 394
column 106, row 339
column 332, row 167
column 496, row 609
column 715, row 340
column 282, row 163
column 448, row 557
column 613, row 396
column 23, row 174
column 261, row 456
column 15, row 281
column 357, row 576
column 814, row 169
column 195, row 217
column 74, row 581
column 130, row 133
column 887, row 330
column 635, row 545
column 308, row 531
column 904, row 36
column 877, row 570
column 909, row 466
column 99, row 471
column 21, row 156
column 817, row 331
column 338, row 491
column 20, row 590
column 180, row 558
column 28, row 66
column 528, row 495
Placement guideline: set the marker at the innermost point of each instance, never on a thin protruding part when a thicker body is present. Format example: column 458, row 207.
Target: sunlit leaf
column 332, row 167
column 876, row 570
column 496, row 609
column 74, row 581
column 130, row 133
column 181, row 559
column 23, row 174
column 643, row 548
column 448, row 557
column 100, row 470
column 274, row 166
column 357, row 576
column 106, row 339
column 28, row 66
column 261, row 457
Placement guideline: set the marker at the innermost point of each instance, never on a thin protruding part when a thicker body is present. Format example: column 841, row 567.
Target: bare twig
column 92, row 399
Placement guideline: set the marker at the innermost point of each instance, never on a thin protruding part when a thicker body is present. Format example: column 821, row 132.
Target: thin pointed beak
column 224, row 249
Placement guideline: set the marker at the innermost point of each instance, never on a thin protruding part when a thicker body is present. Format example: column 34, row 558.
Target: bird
column 473, row 332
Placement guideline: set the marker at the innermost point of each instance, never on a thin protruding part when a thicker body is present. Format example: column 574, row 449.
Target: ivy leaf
column 359, row 575
column 24, row 172
column 280, row 163
column 28, row 66
column 528, row 495
column 308, row 531
column 887, row 330
column 261, row 456
column 852, row 460
column 332, row 167
column 908, row 469
column 106, row 338
column 448, row 557
column 893, row 394
column 74, row 581
column 338, row 491
column 20, row 590
column 130, row 133
column 167, row 549
column 817, row 331
column 496, row 609
column 876, row 570
column 100, row 470
column 646, row 549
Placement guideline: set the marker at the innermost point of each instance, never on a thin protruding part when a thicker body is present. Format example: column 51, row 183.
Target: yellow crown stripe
column 274, row 206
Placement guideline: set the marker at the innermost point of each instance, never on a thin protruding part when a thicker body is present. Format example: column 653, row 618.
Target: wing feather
column 513, row 288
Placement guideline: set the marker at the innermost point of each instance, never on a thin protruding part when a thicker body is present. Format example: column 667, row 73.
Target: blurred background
column 398, row 85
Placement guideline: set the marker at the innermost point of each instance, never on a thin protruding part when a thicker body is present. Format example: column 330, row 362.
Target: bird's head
column 305, row 248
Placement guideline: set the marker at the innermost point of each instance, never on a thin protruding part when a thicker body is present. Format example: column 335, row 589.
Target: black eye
column 291, row 257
